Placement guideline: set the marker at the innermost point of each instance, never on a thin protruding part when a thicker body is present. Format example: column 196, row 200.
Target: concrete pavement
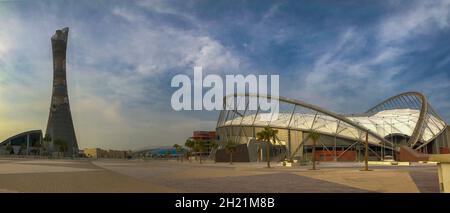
column 28, row 175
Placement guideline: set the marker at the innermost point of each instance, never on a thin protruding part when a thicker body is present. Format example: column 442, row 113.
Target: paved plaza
column 37, row 175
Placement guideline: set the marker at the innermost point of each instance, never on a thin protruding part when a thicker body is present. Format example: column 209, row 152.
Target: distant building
column 101, row 153
column 206, row 136
column 158, row 152
column 22, row 144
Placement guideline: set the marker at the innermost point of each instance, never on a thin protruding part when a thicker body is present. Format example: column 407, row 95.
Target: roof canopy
column 406, row 114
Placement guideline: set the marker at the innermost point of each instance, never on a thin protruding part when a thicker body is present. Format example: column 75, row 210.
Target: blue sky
column 344, row 56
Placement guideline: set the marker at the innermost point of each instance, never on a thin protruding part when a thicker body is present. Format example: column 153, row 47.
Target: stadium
column 404, row 127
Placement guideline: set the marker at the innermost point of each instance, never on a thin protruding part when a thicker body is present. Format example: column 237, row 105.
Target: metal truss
column 300, row 116
column 426, row 124
column 407, row 114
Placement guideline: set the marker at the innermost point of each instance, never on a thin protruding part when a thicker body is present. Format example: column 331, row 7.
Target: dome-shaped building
column 405, row 123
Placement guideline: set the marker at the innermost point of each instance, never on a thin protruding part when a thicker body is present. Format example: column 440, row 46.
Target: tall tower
column 60, row 124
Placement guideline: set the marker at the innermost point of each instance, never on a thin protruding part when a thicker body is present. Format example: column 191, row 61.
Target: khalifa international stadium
column 404, row 127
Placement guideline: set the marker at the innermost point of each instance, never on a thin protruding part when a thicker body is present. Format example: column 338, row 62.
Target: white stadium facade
column 401, row 126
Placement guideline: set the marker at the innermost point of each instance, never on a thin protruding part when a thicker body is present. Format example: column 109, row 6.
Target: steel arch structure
column 429, row 124
column 408, row 115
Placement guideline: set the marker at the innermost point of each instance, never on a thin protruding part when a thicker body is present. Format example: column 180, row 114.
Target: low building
column 157, row 152
column 206, row 136
column 25, row 143
column 101, row 153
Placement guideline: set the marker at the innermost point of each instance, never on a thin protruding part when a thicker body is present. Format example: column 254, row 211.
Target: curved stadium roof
column 407, row 114
column 22, row 134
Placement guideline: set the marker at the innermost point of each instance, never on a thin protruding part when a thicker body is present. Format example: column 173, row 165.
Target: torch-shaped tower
column 60, row 124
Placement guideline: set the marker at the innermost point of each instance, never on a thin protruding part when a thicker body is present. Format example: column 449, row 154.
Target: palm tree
column 62, row 145
column 9, row 148
column 214, row 145
column 36, row 147
column 189, row 144
column 267, row 135
column 167, row 155
column 199, row 147
column 315, row 136
column 188, row 156
column 47, row 139
column 23, row 149
column 230, row 147
column 178, row 149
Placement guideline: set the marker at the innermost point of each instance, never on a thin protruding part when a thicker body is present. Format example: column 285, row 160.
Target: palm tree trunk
column 268, row 155
column 314, row 155
column 366, row 153
column 231, row 157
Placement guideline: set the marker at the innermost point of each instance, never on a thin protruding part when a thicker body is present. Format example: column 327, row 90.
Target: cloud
column 4, row 45
column 422, row 18
column 152, row 49
column 164, row 7
column 127, row 15
column 98, row 121
column 111, row 76
column 366, row 64
column 337, row 74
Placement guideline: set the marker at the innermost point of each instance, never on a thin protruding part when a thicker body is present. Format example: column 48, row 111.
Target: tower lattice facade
column 60, row 124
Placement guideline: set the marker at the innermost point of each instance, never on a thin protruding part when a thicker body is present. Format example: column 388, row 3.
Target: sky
column 345, row 56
